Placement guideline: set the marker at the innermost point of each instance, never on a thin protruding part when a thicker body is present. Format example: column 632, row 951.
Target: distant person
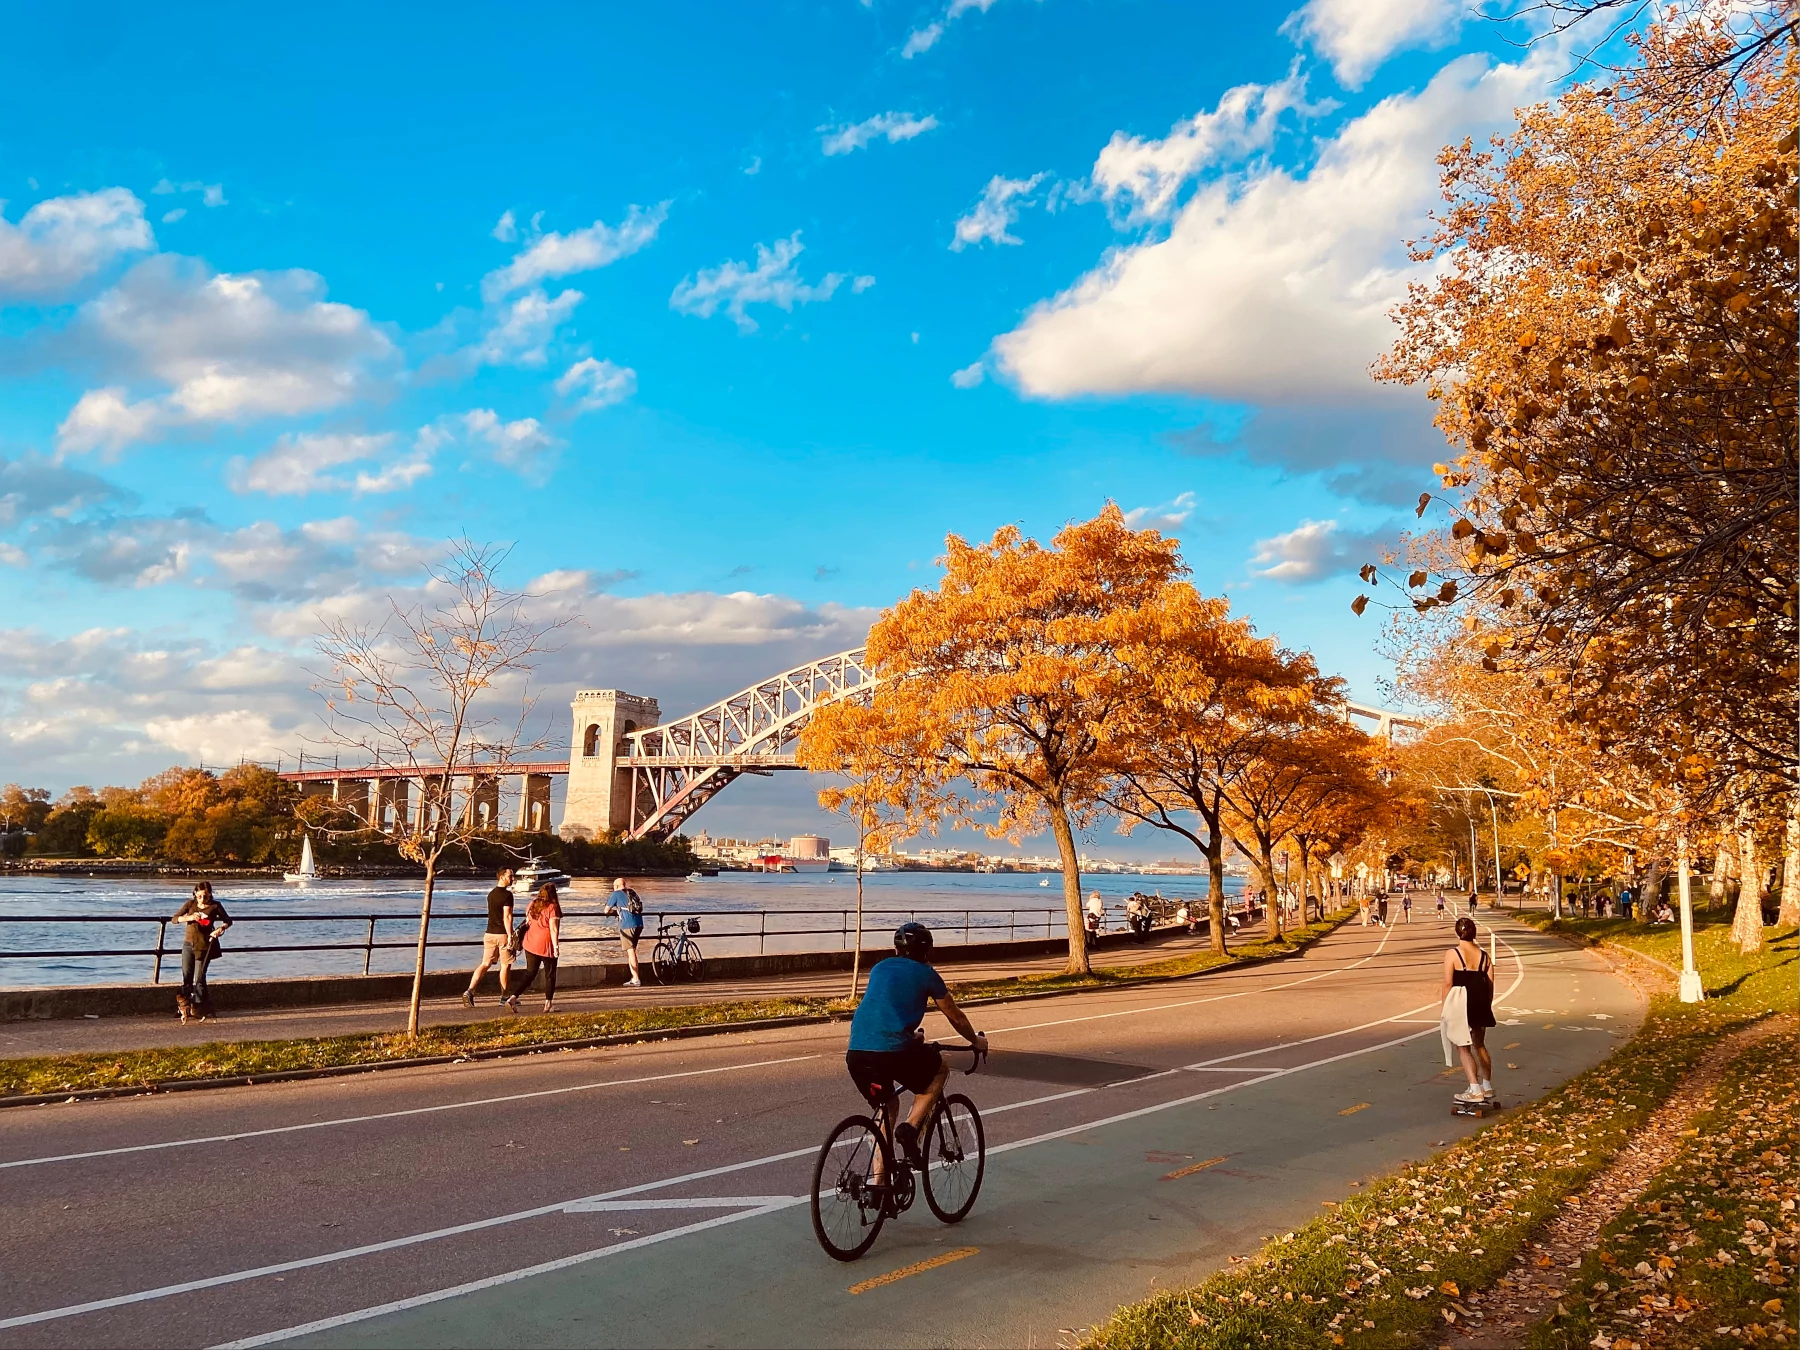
column 1184, row 916
column 1406, row 907
column 1362, row 903
column 1096, row 908
column 1137, row 917
column 497, row 942
column 1381, row 906
column 1440, row 904
column 543, row 943
column 628, row 907
column 202, row 919
column 1474, row 900
column 1468, row 993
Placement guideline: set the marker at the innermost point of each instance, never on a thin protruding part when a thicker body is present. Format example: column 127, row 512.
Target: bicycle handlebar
column 975, row 1050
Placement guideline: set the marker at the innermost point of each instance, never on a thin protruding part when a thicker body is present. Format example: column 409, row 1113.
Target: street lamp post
column 1691, row 989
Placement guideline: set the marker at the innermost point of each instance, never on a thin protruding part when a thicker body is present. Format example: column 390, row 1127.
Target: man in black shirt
column 496, row 943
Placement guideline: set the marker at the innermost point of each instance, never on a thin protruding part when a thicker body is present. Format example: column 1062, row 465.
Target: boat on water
column 534, row 874
column 1044, row 882
column 308, row 870
column 776, row 862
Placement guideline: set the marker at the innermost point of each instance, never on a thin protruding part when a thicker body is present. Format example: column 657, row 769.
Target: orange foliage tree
column 1013, row 680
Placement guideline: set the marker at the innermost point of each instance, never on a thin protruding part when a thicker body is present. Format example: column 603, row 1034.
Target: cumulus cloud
column 969, row 376
column 560, row 255
column 923, row 39
column 525, row 446
column 63, row 241
column 993, row 215
column 222, row 737
column 1356, row 36
column 1312, row 551
column 596, row 384
column 226, row 347
column 1271, row 286
column 1166, row 516
column 1140, row 179
column 733, row 286
column 301, row 463
column 523, row 328
column 506, row 229
column 893, row 126
column 127, row 550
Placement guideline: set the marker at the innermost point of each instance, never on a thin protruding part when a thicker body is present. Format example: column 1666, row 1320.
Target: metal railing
column 738, row 928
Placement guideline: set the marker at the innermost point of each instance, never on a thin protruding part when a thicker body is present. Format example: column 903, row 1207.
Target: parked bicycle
column 677, row 955
column 860, row 1181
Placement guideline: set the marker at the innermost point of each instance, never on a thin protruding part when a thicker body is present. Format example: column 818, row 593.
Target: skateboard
column 1479, row 1110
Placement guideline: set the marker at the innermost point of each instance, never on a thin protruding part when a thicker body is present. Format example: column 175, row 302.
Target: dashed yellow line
column 1192, row 1168
column 1352, row 1110
column 917, row 1268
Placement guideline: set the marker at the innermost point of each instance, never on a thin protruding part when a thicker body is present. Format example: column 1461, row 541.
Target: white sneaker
column 633, row 983
column 1487, row 1088
column 1471, row 1096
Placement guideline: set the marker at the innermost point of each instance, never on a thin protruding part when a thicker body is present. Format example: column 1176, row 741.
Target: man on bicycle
column 886, row 1044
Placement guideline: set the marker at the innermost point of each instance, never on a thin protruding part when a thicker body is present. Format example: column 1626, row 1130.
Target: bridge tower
column 599, row 790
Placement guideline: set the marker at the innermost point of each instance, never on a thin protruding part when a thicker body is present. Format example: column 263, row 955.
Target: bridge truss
column 676, row 768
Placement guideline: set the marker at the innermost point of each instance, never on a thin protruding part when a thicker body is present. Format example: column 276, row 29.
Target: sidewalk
column 99, row 1035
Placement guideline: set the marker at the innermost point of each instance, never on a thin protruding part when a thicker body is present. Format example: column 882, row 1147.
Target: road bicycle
column 677, row 955
column 859, row 1183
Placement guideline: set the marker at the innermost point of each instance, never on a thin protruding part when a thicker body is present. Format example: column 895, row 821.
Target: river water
column 104, row 930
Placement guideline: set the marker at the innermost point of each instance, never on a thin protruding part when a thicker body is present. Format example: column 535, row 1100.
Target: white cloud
column 229, row 347
column 1144, row 176
column 211, row 194
column 1165, row 516
column 993, row 215
column 523, row 328
column 1312, row 551
column 596, row 384
column 1271, row 286
column 560, row 255
column 506, row 229
column 524, row 446
column 11, row 555
column 1356, row 36
column 170, row 217
column 222, row 737
column 924, row 39
column 895, row 126
column 298, row 464
column 35, row 486
column 969, row 376
column 734, row 285
column 65, row 240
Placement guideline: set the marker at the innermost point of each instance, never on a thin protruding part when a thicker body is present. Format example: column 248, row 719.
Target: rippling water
column 48, row 940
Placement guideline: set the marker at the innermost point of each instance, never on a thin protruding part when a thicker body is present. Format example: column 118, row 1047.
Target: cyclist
column 887, row 1045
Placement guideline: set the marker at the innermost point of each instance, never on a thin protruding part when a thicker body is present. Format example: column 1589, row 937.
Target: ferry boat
column 534, row 874
column 775, row 862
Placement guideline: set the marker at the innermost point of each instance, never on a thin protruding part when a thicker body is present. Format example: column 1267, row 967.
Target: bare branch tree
column 439, row 688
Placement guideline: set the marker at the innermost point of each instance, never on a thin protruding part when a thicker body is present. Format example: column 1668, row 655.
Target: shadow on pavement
column 1065, row 1070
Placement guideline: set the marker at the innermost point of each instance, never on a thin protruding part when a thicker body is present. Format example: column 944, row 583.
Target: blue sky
column 725, row 314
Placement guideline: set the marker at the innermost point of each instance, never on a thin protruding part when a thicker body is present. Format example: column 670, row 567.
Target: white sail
column 307, row 869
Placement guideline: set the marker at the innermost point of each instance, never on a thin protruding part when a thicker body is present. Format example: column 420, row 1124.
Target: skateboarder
column 1468, row 992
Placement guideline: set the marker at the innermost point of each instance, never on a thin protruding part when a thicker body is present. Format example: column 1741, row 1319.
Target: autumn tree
column 1212, row 687
column 1610, row 335
column 1012, row 678
column 875, row 788
column 440, row 689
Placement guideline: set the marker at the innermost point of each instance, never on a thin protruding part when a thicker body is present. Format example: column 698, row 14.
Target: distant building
column 809, row 846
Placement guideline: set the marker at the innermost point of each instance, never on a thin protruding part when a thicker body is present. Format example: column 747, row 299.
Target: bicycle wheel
column 955, row 1158
column 848, row 1208
column 662, row 963
column 692, row 964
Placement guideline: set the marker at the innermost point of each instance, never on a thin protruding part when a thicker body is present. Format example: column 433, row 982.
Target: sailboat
column 308, row 871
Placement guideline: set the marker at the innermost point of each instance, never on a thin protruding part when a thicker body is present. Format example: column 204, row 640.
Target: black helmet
column 914, row 940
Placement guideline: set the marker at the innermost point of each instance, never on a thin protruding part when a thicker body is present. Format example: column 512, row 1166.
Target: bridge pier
column 599, row 796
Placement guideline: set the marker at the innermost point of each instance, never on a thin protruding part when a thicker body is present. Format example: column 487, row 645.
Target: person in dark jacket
column 203, row 919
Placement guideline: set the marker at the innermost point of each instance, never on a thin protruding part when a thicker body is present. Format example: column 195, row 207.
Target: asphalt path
column 655, row 1194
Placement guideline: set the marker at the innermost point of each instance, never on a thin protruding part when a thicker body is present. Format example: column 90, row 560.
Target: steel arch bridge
column 676, row 768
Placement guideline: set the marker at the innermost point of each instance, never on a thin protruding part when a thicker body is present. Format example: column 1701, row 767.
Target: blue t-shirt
column 894, row 1003
column 628, row 922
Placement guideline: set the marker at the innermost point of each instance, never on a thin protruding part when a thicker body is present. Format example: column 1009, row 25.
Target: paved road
column 651, row 1195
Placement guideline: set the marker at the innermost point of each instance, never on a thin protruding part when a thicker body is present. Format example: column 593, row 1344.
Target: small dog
column 184, row 1008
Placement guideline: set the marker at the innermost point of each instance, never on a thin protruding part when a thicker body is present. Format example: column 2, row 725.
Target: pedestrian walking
column 1468, row 993
column 625, row 904
column 1474, row 899
column 543, row 941
column 1440, row 904
column 1096, row 908
column 497, row 948
column 1406, row 907
column 1381, row 907
column 202, row 919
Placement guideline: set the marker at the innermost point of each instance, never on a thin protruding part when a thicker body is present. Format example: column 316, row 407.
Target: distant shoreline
column 137, row 867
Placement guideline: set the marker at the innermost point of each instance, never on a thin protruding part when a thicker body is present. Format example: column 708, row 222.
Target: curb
column 594, row 1042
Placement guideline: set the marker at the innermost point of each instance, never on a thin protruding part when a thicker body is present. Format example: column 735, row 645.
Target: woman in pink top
column 543, row 939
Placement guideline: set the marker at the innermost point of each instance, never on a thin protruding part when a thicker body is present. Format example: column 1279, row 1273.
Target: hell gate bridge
column 630, row 772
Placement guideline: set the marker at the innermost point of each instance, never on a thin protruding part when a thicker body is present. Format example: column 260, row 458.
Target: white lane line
column 1208, row 1068
column 692, row 1202
column 508, row 1277
column 395, row 1115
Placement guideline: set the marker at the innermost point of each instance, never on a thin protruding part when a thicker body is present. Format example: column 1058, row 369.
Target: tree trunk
column 1305, row 883
column 1724, row 864
column 1790, row 867
column 1650, row 894
column 856, row 951
column 1065, row 845
column 1215, row 892
column 1265, row 863
column 418, row 988
column 1747, row 924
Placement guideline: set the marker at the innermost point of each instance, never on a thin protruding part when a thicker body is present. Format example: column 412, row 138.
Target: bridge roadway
column 652, row 1194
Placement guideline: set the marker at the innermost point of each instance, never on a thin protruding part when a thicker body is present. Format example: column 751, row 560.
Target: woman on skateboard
column 1468, row 992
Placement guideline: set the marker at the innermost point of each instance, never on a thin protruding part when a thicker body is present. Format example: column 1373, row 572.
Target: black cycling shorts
column 876, row 1071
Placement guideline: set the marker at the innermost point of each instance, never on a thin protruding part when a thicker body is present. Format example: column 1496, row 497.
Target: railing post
column 369, row 945
column 1012, row 924
column 965, row 928
column 162, row 931
column 844, row 930
column 762, row 929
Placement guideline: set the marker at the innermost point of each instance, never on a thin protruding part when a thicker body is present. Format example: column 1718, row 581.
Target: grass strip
column 144, row 1069
column 1706, row 1255
column 1389, row 1265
